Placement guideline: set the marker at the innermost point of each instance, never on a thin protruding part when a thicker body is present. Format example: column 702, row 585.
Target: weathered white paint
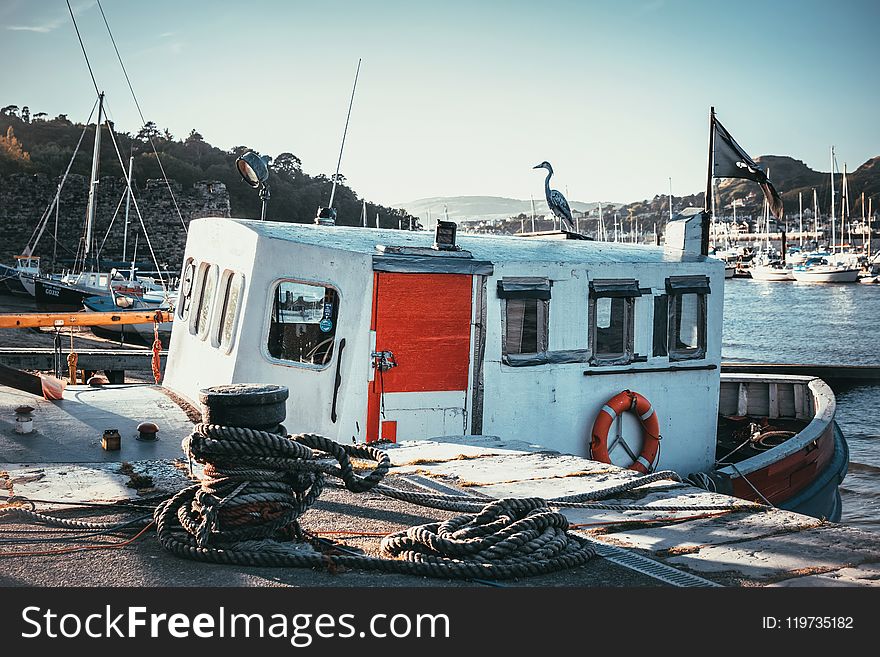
column 684, row 233
column 264, row 259
column 556, row 404
column 552, row 404
column 426, row 414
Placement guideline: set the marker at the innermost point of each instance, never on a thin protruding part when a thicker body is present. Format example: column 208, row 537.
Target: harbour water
column 792, row 322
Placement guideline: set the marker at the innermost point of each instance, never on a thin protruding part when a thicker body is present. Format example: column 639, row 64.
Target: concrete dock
column 731, row 544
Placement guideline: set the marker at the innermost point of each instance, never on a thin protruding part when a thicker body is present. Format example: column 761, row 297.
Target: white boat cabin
column 380, row 335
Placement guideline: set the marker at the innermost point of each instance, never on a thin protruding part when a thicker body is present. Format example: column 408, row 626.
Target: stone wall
column 24, row 198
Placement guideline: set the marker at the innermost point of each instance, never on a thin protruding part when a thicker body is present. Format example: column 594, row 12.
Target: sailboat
column 70, row 289
column 828, row 267
column 768, row 264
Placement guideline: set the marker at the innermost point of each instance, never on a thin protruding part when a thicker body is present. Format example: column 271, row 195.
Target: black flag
column 731, row 161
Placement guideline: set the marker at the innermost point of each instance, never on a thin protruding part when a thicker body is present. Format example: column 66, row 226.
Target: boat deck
column 740, row 546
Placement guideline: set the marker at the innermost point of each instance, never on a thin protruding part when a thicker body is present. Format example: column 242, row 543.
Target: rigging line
column 41, row 225
column 82, row 45
column 745, row 479
column 143, row 120
column 138, row 210
column 110, row 227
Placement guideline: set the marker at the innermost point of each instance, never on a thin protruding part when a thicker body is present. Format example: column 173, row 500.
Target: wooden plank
column 828, row 373
column 743, row 402
column 774, row 401
column 19, row 380
column 36, row 320
column 42, row 358
column 799, row 409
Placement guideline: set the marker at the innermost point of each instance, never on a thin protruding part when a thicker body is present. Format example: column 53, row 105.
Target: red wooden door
column 424, row 320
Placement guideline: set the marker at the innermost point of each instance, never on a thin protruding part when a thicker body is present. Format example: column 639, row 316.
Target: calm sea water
column 794, row 322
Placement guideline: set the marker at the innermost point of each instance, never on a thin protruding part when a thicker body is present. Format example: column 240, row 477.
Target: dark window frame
column 518, row 292
column 676, row 288
column 272, row 334
column 627, row 291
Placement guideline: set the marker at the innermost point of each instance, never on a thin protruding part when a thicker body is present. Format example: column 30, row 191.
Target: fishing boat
column 609, row 351
column 20, row 279
column 144, row 333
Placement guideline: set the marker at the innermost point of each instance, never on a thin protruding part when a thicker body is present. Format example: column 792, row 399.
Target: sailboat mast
column 801, row 217
column 833, row 219
column 844, row 208
column 93, row 180
column 670, row 199
column 815, row 214
column 127, row 205
column 863, row 221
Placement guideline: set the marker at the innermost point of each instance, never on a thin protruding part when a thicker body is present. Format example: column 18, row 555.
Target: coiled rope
column 257, row 484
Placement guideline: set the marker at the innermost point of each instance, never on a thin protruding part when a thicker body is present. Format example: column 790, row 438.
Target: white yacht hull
column 771, row 274
column 822, row 275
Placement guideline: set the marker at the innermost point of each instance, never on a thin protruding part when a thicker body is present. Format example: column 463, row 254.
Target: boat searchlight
column 254, row 169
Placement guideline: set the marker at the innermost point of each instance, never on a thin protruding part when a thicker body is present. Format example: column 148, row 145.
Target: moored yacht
column 817, row 269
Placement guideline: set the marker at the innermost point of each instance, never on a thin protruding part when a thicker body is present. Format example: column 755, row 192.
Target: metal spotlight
column 254, row 169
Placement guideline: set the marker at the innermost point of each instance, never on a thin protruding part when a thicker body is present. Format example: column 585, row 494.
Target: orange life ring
column 635, row 403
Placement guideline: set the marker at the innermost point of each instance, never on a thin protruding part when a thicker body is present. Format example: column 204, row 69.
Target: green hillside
column 33, row 143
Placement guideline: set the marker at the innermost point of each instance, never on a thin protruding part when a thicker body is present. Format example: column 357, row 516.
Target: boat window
column 187, row 279
column 303, row 323
column 525, row 319
column 232, row 288
column 612, row 304
column 205, row 286
column 686, row 328
column 661, row 323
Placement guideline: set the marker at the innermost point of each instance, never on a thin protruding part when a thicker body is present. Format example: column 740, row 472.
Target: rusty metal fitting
column 147, row 431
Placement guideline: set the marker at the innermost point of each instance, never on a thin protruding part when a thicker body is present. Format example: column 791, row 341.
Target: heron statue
column 555, row 199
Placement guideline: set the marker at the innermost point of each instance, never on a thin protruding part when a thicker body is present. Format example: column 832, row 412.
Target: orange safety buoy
column 641, row 407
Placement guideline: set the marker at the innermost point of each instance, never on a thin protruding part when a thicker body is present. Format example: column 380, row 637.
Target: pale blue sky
column 464, row 97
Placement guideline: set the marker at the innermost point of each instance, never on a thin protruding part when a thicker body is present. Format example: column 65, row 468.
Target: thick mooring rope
column 69, row 523
column 257, row 484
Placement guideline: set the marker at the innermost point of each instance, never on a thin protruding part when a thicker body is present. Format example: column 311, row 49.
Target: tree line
column 32, row 143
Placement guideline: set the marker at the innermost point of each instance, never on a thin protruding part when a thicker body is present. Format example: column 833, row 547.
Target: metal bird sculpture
column 555, row 199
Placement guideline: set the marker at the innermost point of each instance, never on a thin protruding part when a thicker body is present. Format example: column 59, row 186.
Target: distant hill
column 481, row 208
column 790, row 177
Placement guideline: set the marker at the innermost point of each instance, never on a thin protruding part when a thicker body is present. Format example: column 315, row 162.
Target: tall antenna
column 533, row 212
column 345, row 132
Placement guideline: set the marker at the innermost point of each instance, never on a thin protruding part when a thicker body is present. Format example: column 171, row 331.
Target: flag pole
column 709, row 200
